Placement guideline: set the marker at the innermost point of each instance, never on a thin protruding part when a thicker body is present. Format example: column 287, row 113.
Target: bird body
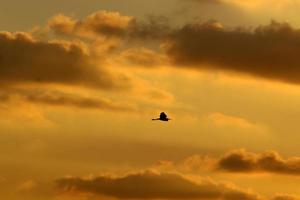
column 162, row 117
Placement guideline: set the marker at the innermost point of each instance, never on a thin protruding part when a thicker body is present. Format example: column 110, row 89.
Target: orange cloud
column 235, row 161
column 110, row 24
column 143, row 57
column 241, row 161
column 27, row 60
column 268, row 51
column 150, row 185
column 56, row 98
column 102, row 22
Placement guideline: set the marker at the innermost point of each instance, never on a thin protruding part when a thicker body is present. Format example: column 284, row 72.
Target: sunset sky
column 81, row 80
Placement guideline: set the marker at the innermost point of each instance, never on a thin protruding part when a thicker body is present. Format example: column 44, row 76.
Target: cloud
column 192, row 164
column 102, row 22
column 56, row 98
column 285, row 197
column 142, row 57
column 241, row 161
column 235, row 161
column 110, row 24
column 150, row 185
column 79, row 102
column 23, row 59
column 269, row 51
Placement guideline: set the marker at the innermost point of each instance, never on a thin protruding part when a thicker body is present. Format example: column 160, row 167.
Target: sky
column 81, row 80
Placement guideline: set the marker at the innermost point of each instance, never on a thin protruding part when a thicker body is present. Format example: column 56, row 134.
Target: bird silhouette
column 162, row 117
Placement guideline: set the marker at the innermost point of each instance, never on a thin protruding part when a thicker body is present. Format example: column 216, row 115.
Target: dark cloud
column 241, row 161
column 26, row 60
column 149, row 185
column 153, row 27
column 111, row 24
column 268, row 51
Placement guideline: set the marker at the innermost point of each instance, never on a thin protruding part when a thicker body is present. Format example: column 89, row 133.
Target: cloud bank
column 23, row 59
column 150, row 185
column 269, row 51
column 241, row 161
column 236, row 161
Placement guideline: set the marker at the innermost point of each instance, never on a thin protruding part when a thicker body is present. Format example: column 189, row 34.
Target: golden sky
column 81, row 80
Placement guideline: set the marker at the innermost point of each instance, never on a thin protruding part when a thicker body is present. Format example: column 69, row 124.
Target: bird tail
column 155, row 119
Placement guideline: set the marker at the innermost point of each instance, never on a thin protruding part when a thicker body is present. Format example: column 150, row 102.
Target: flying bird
column 162, row 117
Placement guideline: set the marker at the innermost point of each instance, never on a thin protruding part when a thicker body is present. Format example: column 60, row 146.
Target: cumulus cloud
column 23, row 59
column 269, row 51
column 150, row 185
column 235, row 161
column 241, row 161
column 110, row 24
column 102, row 22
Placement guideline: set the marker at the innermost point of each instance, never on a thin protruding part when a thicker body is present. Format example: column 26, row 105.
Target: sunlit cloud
column 78, row 94
column 110, row 24
column 235, row 161
column 150, row 185
column 267, row 52
column 241, row 161
column 26, row 60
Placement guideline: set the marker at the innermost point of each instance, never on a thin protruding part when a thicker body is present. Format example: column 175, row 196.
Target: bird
column 162, row 117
